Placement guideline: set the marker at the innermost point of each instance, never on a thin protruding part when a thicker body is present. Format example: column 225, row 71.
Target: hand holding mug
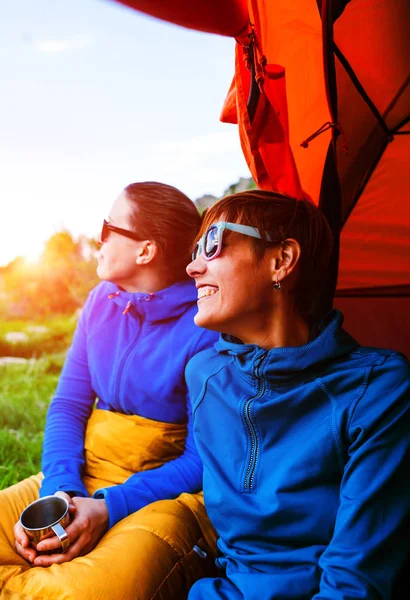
column 43, row 518
column 88, row 525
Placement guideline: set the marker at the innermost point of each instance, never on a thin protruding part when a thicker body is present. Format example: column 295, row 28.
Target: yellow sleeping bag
column 156, row 553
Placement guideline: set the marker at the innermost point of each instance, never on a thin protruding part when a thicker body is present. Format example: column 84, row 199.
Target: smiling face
column 117, row 256
column 235, row 291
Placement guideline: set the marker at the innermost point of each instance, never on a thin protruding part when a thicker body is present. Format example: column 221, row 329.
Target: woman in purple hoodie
column 118, row 435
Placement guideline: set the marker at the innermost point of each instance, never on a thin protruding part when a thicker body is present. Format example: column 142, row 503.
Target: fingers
column 50, row 544
column 74, row 531
column 28, row 553
column 46, row 560
column 20, row 535
column 80, row 545
column 22, row 543
column 67, row 497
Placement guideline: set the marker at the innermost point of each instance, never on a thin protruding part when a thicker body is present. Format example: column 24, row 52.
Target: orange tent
column 321, row 96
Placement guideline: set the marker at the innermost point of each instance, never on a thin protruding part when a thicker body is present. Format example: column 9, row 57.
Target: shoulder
column 377, row 356
column 365, row 381
column 356, row 366
column 202, row 366
column 390, row 370
column 202, row 339
column 102, row 291
column 99, row 293
column 382, row 367
column 385, row 391
column 195, row 337
column 97, row 303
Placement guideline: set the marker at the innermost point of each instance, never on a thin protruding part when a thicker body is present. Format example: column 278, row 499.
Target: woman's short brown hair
column 283, row 217
column 162, row 213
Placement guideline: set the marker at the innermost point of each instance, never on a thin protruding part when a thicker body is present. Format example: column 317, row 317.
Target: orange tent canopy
column 321, row 96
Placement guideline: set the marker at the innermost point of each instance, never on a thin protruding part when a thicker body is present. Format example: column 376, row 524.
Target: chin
column 207, row 321
column 100, row 273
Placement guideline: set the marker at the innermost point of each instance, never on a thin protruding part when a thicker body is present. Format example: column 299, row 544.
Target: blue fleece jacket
column 306, row 467
column 134, row 364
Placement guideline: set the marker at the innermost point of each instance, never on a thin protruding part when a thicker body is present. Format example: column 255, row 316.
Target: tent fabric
column 293, row 103
column 373, row 287
column 379, row 321
column 226, row 17
column 280, row 96
column 264, row 133
column 375, row 241
column 379, row 58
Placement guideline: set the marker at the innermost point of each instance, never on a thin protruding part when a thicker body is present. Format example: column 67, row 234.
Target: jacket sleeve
column 370, row 540
column 183, row 474
column 69, row 411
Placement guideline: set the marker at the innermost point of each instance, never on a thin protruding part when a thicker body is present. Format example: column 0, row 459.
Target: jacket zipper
column 253, row 459
column 124, row 360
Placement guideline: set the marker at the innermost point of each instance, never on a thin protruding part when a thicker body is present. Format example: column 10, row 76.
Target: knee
column 173, row 522
column 170, row 550
column 194, row 565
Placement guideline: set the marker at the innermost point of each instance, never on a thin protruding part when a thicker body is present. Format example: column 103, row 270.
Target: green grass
column 25, row 393
column 40, row 337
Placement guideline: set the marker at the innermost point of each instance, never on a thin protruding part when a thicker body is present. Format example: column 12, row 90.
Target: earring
column 277, row 285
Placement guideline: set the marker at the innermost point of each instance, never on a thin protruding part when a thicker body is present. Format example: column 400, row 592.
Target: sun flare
column 32, row 258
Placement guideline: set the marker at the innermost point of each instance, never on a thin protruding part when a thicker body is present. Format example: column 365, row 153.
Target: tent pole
column 330, row 199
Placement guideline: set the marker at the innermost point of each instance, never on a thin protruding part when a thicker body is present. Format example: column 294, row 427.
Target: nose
column 197, row 267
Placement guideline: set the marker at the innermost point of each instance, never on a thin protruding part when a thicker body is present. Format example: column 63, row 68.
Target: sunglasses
column 210, row 244
column 107, row 227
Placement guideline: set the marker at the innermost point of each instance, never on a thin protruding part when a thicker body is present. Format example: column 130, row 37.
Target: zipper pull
column 259, row 364
column 111, row 296
column 127, row 308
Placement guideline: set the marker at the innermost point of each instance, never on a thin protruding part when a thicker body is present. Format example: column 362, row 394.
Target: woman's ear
column 147, row 250
column 287, row 257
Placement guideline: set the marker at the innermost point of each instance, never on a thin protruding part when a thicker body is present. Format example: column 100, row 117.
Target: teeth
column 205, row 292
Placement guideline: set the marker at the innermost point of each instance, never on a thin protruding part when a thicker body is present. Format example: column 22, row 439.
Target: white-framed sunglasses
column 210, row 244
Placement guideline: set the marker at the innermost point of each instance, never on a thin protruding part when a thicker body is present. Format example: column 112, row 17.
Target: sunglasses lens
column 211, row 242
column 196, row 251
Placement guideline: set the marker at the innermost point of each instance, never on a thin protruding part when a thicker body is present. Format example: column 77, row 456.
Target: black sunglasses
column 107, row 227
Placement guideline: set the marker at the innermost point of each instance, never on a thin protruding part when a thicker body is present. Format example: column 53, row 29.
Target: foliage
column 58, row 284
column 244, row 183
column 25, row 393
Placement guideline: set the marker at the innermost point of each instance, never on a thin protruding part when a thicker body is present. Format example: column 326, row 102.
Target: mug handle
column 62, row 535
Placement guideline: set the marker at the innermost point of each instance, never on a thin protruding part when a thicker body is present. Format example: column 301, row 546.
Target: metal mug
column 46, row 517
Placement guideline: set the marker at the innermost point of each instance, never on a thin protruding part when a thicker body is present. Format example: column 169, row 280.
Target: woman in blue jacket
column 134, row 338
column 303, row 433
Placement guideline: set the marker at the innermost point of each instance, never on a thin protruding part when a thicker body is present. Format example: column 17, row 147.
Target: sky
column 95, row 96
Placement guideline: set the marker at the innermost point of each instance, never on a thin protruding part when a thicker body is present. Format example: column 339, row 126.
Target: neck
column 148, row 282
column 282, row 327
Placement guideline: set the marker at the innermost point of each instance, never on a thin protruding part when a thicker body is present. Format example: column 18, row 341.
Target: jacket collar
column 168, row 303
column 330, row 343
